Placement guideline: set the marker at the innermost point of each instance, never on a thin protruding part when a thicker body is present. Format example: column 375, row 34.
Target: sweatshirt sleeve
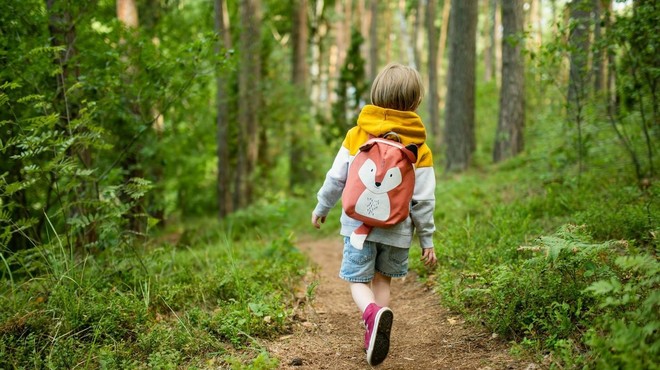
column 334, row 183
column 423, row 204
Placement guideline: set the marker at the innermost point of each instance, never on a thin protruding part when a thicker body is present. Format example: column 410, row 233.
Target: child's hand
column 428, row 256
column 316, row 219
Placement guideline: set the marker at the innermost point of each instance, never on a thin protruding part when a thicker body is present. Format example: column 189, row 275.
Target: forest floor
column 328, row 333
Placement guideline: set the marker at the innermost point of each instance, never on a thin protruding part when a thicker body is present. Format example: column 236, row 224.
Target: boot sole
column 379, row 344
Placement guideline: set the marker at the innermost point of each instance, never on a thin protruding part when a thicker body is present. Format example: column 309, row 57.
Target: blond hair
column 397, row 87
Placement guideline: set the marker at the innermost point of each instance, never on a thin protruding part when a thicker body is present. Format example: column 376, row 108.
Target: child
column 395, row 94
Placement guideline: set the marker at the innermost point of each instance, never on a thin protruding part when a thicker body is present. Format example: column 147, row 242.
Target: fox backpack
column 380, row 185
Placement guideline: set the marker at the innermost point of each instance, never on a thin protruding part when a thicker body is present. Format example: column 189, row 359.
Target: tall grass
column 189, row 302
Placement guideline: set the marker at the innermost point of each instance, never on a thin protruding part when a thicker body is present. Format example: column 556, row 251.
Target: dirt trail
column 328, row 333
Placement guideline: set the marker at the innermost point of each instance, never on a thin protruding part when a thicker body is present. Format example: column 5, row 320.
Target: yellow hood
column 378, row 121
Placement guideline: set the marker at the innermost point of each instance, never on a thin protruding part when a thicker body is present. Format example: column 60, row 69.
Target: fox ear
column 365, row 147
column 413, row 149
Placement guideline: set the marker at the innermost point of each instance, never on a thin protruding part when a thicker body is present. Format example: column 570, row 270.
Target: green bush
column 626, row 333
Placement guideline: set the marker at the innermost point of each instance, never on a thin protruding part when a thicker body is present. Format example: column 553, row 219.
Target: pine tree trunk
column 579, row 41
column 222, row 110
column 249, row 98
column 417, row 40
column 299, row 36
column 489, row 53
column 406, row 44
column 373, row 39
column 434, row 119
column 498, row 43
column 598, row 60
column 442, row 46
column 511, row 122
column 459, row 115
column 579, row 74
column 128, row 15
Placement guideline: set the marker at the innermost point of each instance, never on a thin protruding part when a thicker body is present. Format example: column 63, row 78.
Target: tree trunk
column 373, row 40
column 459, row 115
column 489, row 53
column 446, row 7
column 406, row 44
column 498, row 42
column 315, row 66
column 534, row 23
column 127, row 14
column 578, row 83
column 598, row 62
column 434, row 119
column 299, row 36
column 579, row 41
column 249, row 98
column 417, row 40
column 611, row 67
column 511, row 122
column 62, row 30
column 222, row 110
column 385, row 19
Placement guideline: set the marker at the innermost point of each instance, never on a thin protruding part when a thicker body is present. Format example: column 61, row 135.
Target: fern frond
column 46, row 50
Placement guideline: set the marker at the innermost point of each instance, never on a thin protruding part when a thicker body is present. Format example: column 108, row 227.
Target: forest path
column 328, row 333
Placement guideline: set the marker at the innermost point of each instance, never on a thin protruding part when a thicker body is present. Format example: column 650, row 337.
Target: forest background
column 161, row 157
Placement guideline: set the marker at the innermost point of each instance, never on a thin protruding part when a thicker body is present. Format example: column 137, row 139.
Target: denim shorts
column 358, row 266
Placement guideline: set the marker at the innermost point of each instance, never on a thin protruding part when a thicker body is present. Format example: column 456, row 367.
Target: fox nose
column 377, row 184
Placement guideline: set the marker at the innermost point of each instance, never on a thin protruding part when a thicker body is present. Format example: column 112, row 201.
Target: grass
column 526, row 246
column 204, row 300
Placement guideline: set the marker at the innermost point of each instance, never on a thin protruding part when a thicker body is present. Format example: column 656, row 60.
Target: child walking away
column 384, row 174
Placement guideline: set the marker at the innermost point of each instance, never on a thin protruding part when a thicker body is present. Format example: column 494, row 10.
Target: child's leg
column 378, row 293
column 380, row 286
column 362, row 295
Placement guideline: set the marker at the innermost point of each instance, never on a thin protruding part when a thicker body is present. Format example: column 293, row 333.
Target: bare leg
column 381, row 289
column 362, row 295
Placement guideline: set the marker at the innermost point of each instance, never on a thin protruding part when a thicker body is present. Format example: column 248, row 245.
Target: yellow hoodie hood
column 378, row 121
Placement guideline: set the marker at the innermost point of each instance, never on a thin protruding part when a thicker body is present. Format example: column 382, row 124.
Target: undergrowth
column 196, row 298
column 559, row 263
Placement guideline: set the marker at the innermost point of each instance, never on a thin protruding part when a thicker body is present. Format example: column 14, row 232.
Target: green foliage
column 166, row 307
column 506, row 260
column 352, row 89
column 626, row 334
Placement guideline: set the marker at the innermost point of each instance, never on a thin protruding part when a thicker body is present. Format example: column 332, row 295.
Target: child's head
column 397, row 87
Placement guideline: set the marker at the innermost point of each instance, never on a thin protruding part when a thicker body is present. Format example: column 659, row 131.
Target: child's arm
column 317, row 220
column 423, row 203
column 423, row 206
column 332, row 188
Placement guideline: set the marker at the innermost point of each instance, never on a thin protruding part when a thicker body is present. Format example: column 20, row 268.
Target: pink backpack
column 380, row 185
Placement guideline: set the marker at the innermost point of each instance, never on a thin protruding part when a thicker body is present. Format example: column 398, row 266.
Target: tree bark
column 417, row 40
column 489, row 53
column 299, row 37
column 459, row 115
column 434, row 119
column 498, row 43
column 249, row 99
column 316, row 60
column 598, row 61
column 442, row 74
column 579, row 42
column 406, row 44
column 222, row 110
column 579, row 74
column 373, row 39
column 511, row 122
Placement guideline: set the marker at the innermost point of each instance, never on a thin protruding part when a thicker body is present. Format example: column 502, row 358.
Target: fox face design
column 374, row 202
column 380, row 184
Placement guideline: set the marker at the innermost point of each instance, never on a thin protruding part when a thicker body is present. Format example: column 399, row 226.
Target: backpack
column 380, row 185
